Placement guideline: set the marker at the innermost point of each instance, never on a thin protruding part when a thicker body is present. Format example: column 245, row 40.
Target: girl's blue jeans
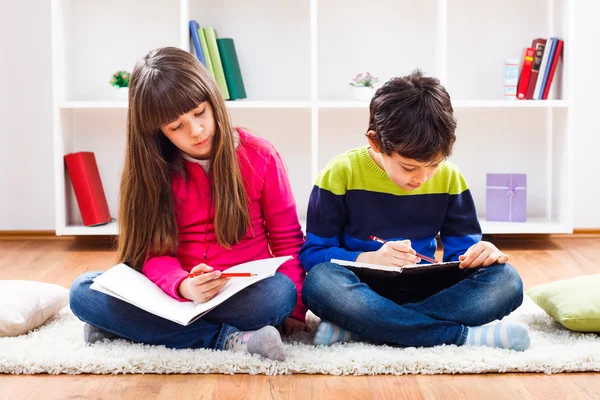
column 268, row 302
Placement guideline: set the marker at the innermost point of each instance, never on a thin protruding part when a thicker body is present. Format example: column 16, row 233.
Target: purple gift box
column 506, row 197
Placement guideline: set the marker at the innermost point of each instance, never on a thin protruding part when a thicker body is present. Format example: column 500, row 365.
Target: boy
column 401, row 189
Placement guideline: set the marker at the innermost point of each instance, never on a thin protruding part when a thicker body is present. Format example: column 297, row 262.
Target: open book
column 125, row 283
column 386, row 271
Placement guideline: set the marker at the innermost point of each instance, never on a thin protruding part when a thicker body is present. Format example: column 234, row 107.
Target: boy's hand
column 204, row 287
column 482, row 254
column 397, row 254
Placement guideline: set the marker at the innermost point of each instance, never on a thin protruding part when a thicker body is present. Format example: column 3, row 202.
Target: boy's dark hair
column 413, row 116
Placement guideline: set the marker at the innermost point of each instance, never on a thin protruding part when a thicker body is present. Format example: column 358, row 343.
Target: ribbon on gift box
column 511, row 187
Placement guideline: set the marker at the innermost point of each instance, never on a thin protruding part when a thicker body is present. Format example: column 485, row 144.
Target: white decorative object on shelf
column 362, row 93
column 120, row 81
column 363, row 86
column 511, row 78
column 122, row 93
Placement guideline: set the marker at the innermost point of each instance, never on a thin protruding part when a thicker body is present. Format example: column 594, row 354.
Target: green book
column 213, row 50
column 204, row 46
column 231, row 67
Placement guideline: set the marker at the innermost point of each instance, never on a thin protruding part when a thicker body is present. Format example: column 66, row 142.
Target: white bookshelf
column 297, row 57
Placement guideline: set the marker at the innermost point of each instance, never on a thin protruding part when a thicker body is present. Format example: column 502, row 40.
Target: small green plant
column 364, row 79
column 120, row 79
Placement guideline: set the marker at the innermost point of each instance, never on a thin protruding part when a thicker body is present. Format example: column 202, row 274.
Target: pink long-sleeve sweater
column 274, row 227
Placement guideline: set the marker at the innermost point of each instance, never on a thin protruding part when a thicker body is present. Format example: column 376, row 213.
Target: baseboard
column 586, row 231
column 30, row 234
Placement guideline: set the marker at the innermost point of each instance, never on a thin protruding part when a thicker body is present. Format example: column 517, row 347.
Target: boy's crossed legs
column 441, row 308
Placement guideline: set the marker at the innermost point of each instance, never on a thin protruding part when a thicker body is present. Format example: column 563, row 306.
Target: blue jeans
column 268, row 302
column 421, row 310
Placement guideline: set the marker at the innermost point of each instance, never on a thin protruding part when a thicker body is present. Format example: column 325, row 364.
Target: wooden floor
column 60, row 260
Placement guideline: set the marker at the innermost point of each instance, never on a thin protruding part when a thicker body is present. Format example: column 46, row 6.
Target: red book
column 83, row 171
column 539, row 45
column 525, row 73
column 557, row 54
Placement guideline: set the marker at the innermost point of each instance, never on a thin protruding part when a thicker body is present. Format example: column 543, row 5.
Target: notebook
column 133, row 287
column 387, row 272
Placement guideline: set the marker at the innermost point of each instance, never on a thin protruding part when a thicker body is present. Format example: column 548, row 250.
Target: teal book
column 231, row 68
column 213, row 50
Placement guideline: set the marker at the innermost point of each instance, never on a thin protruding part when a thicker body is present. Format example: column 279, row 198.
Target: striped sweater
column 354, row 198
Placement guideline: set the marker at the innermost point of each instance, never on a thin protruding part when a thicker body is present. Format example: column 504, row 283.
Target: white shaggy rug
column 58, row 348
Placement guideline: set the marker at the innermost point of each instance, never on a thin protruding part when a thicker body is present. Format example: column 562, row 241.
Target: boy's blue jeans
column 421, row 310
column 268, row 302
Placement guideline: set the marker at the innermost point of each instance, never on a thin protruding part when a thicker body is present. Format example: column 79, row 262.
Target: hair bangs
column 168, row 98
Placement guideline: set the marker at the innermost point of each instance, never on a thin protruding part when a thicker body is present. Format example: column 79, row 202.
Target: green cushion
column 575, row 303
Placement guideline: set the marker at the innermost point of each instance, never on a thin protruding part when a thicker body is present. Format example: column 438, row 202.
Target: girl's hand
column 482, row 254
column 398, row 254
column 292, row 325
column 204, row 287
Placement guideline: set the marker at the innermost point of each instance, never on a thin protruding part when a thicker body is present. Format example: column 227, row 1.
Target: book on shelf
column 551, row 51
column 133, row 287
column 538, row 44
column 537, row 68
column 552, row 67
column 87, row 185
column 196, row 41
column 231, row 68
column 204, row 46
column 213, row 50
column 525, row 72
column 537, row 92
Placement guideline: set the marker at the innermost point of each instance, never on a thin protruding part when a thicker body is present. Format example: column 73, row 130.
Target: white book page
column 135, row 288
column 263, row 268
column 365, row 265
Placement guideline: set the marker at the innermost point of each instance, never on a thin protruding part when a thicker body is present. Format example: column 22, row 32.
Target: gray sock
column 265, row 341
column 92, row 334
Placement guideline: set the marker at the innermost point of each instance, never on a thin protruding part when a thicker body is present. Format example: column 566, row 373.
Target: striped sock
column 328, row 334
column 505, row 335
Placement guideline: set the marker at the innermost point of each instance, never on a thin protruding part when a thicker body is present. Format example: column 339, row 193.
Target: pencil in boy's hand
column 226, row 274
column 382, row 241
column 431, row 260
column 375, row 238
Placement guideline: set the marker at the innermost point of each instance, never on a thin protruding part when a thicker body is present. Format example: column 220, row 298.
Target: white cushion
column 25, row 305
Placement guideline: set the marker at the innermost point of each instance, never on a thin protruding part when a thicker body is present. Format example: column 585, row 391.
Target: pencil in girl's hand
column 226, row 274
column 431, row 260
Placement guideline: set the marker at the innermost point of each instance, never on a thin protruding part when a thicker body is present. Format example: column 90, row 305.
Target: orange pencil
column 431, row 260
column 226, row 274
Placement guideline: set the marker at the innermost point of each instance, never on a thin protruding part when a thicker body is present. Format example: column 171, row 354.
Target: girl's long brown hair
column 166, row 83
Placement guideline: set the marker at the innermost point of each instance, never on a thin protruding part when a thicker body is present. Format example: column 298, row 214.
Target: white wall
column 26, row 167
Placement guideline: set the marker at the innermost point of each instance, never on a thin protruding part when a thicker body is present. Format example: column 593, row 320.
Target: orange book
column 85, row 177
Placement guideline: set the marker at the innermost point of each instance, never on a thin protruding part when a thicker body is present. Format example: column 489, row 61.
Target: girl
column 198, row 196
